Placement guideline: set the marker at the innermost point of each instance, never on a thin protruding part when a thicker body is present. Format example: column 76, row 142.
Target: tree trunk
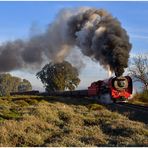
column 146, row 86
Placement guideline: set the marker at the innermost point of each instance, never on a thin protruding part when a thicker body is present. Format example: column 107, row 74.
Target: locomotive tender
column 107, row 91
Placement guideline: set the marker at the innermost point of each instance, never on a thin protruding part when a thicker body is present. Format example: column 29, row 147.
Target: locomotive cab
column 101, row 90
column 94, row 88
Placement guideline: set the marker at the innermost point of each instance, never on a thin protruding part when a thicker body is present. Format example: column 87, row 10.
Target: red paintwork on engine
column 96, row 88
column 117, row 94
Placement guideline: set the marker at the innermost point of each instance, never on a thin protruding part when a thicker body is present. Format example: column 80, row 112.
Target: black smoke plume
column 96, row 32
column 101, row 37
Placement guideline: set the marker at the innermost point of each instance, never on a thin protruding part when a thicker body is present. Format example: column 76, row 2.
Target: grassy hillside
column 35, row 121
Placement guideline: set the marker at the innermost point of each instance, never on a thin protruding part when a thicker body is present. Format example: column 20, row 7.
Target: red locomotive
column 113, row 89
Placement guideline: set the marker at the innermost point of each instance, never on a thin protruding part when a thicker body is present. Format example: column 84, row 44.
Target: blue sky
column 18, row 17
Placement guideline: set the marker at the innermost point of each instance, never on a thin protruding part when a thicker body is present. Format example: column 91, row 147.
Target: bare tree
column 139, row 70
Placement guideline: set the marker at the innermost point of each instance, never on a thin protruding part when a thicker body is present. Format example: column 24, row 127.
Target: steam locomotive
column 112, row 90
column 107, row 91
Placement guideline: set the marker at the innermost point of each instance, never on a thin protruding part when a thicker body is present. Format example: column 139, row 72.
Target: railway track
column 135, row 107
column 132, row 111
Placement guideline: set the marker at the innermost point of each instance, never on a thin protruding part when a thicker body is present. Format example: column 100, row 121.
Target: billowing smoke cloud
column 101, row 37
column 97, row 34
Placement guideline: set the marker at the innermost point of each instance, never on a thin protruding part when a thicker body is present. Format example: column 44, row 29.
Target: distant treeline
column 9, row 83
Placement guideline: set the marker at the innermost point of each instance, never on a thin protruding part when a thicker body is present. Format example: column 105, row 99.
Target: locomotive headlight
column 121, row 83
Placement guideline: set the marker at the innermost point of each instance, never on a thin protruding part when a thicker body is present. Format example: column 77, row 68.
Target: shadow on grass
column 25, row 100
column 51, row 99
column 72, row 100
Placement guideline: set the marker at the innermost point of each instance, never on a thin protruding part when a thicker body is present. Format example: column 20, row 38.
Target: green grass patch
column 21, row 103
column 2, row 119
column 95, row 107
column 10, row 115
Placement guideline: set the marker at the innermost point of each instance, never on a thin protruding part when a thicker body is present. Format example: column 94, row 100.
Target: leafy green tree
column 10, row 83
column 5, row 84
column 24, row 85
column 59, row 76
column 15, row 81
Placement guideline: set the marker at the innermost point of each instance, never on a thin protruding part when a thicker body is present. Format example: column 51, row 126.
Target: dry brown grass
column 140, row 98
column 36, row 122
